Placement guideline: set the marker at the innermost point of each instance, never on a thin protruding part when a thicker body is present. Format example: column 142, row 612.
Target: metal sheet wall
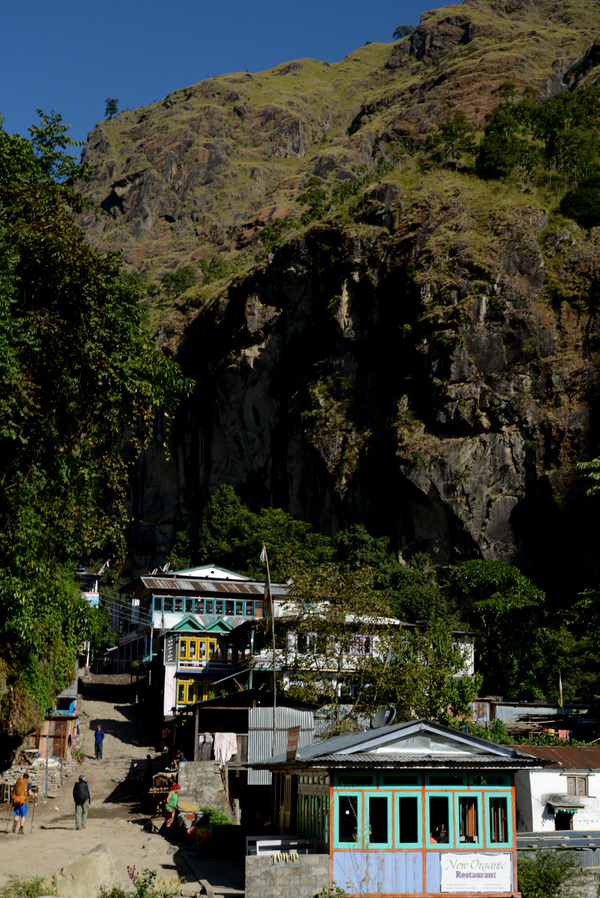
column 260, row 736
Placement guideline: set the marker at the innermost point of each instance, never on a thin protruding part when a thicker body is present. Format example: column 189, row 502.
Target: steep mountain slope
column 374, row 337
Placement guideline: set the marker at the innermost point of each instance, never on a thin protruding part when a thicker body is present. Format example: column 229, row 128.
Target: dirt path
column 116, row 816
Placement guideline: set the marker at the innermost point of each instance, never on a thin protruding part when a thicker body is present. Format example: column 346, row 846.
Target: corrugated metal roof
column 414, row 762
column 371, row 746
column 569, row 757
column 195, row 585
column 260, row 736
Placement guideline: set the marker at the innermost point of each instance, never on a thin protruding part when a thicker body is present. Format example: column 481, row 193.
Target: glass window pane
column 468, row 818
column 439, row 819
column 498, row 820
column 408, row 819
column 182, row 648
column 192, row 648
column 347, row 818
column 378, row 820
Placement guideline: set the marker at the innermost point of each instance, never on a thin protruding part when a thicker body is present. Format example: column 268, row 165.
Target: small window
column 189, row 606
column 577, row 785
column 439, row 819
column 218, row 607
column 181, row 692
column 182, row 648
column 490, row 779
column 446, row 779
column 229, row 606
column 178, row 604
column 408, row 820
column 239, row 608
column 354, row 779
column 192, row 652
column 469, row 827
column 498, row 822
column 347, row 828
column 378, row 809
column 400, row 779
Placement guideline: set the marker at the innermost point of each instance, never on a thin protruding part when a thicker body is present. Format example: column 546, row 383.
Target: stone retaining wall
column 274, row 876
column 202, row 781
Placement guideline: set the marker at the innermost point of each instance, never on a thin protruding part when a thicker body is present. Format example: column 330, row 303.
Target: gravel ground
column 116, row 815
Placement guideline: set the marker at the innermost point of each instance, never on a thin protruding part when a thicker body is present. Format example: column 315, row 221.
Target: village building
column 191, row 631
column 413, row 809
column 562, row 796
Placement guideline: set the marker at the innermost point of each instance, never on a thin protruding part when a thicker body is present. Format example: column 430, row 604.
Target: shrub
column 547, row 874
column 583, row 203
column 25, row 888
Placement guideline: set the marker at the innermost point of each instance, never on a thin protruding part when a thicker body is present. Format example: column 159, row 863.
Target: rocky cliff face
column 421, row 353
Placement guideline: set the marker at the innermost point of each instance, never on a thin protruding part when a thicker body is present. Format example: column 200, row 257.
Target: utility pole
column 269, row 606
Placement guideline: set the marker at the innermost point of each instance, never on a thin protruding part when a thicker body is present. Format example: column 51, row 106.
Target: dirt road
column 116, row 815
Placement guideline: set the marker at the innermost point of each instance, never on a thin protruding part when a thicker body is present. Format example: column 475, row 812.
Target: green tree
column 507, row 611
column 421, row 674
column 338, row 626
column 230, row 534
column 80, row 388
column 111, row 108
column 402, row 31
column 583, row 203
column 176, row 282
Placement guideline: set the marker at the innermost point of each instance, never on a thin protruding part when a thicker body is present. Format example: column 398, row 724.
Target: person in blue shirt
column 98, row 740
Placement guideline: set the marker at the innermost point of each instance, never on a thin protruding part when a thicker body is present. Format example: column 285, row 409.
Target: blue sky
column 70, row 56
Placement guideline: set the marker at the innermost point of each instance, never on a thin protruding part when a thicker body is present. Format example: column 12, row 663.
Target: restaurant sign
column 476, row 872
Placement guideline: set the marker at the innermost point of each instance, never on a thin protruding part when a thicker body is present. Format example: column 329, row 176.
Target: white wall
column 532, row 788
column 169, row 694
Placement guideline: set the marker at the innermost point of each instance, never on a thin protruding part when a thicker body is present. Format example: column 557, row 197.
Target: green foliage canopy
column 507, row 610
column 80, row 388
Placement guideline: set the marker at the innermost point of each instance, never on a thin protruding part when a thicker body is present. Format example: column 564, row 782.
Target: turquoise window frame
column 365, row 781
column 400, row 781
column 387, row 796
column 473, row 796
column 461, row 782
column 509, row 820
column 419, row 801
column 436, row 846
column 347, row 793
column 490, row 786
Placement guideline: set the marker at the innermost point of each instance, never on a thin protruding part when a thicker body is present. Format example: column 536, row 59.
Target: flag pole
column 268, row 604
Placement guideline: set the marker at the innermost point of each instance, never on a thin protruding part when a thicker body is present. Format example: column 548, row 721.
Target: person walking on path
column 98, row 740
column 82, row 799
column 20, row 798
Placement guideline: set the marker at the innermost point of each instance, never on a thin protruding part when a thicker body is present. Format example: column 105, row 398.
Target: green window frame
column 408, row 819
column 439, row 820
column 443, row 780
column 489, row 781
column 468, row 819
column 378, row 820
column 355, row 780
column 499, row 828
column 347, row 820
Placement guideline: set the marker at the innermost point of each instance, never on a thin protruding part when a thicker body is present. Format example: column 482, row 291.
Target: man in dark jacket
column 82, row 799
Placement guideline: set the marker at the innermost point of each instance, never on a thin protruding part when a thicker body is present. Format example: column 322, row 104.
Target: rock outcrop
column 419, row 352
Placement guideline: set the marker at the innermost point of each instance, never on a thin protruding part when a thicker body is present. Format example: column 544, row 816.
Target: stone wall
column 201, row 781
column 295, row 876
